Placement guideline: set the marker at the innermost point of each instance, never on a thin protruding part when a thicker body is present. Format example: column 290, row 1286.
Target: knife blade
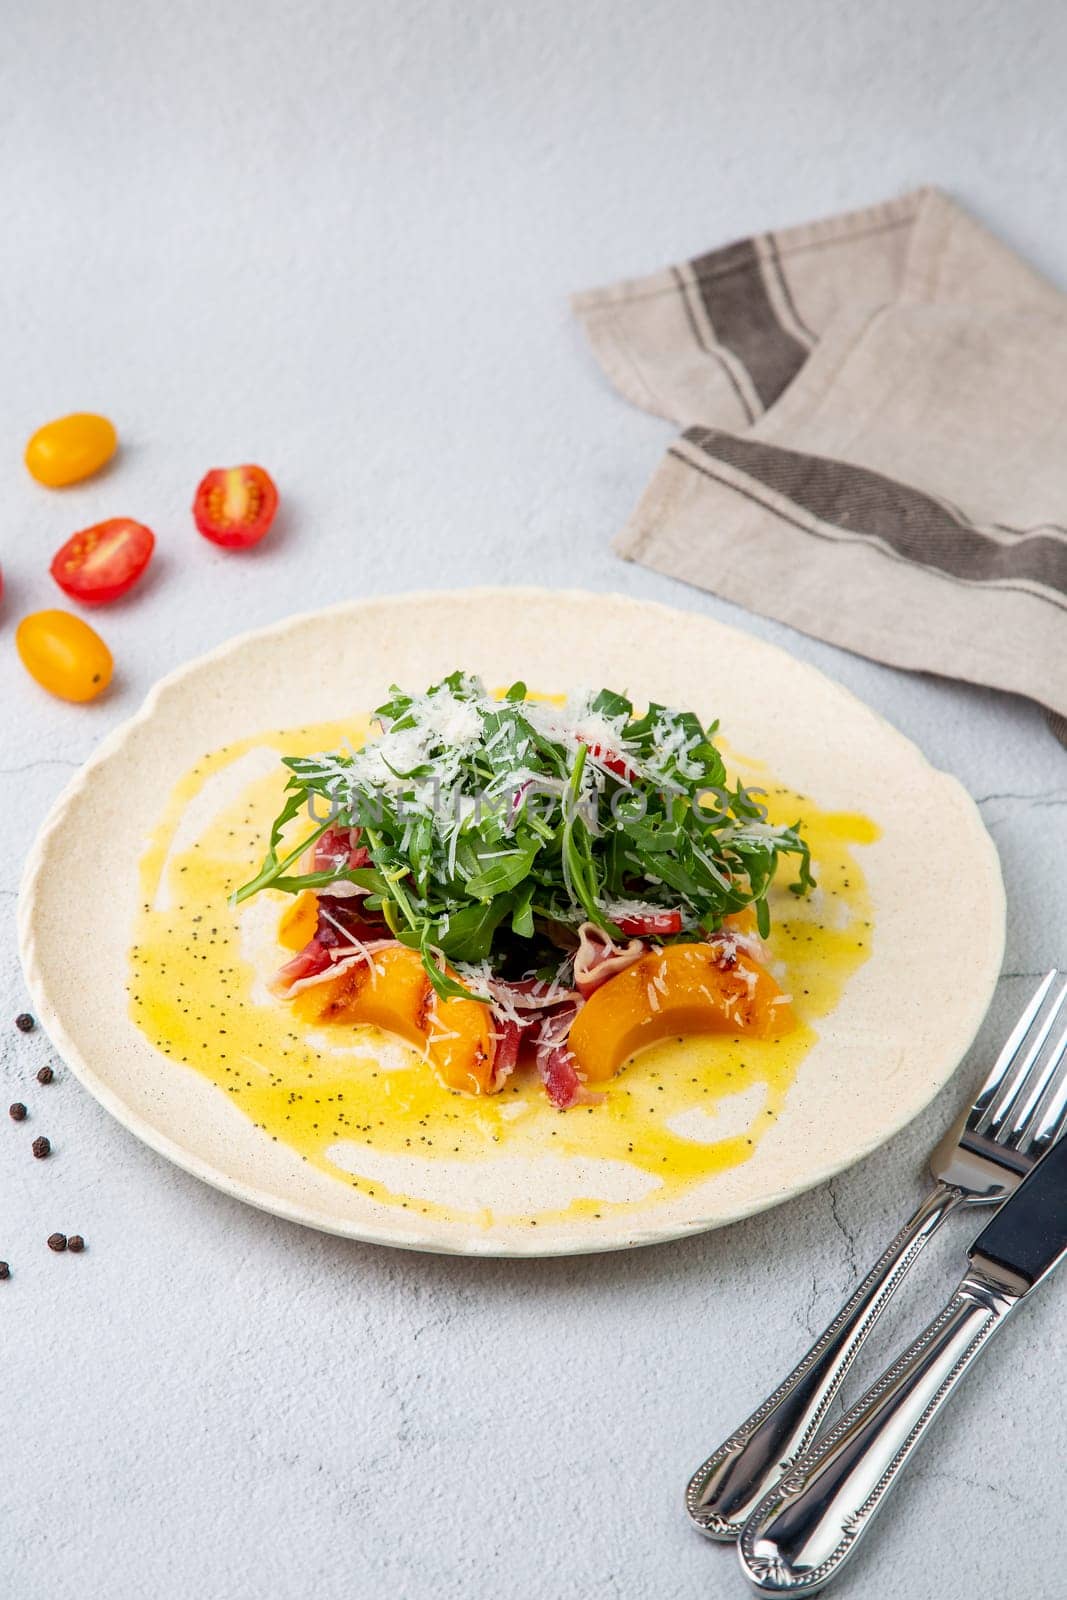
column 1027, row 1235
column 802, row 1532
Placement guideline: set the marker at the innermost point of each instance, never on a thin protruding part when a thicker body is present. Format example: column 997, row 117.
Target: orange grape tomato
column 64, row 655
column 235, row 506
column 104, row 561
column 71, row 448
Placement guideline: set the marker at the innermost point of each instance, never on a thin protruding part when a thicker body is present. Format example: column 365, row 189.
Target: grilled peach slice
column 461, row 1045
column 393, row 992
column 682, row 989
column 299, row 921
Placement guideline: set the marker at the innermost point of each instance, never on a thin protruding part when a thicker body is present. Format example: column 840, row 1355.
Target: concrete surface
column 337, row 238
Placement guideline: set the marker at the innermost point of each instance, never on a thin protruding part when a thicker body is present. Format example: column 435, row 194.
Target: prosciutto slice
column 338, row 849
column 344, row 935
column 599, row 958
column 560, row 1077
column 307, row 963
column 340, row 922
column 556, row 1065
column 506, row 1053
column 529, row 994
column 316, row 964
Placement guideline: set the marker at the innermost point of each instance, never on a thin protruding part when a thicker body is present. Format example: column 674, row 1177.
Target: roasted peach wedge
column 393, row 992
column 681, row 989
column 461, row 1044
column 299, row 921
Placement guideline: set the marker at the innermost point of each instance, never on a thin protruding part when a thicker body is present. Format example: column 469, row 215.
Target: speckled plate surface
column 892, row 1040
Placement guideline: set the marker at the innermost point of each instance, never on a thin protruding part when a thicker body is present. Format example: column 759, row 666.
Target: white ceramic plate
column 904, row 1021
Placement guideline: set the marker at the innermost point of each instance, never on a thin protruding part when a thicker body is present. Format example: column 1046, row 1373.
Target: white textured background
column 337, row 238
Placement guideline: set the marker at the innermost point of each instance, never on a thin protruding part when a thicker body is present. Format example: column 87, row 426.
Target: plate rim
column 469, row 1245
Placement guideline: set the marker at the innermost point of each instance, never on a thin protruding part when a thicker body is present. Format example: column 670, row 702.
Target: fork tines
column 1023, row 1102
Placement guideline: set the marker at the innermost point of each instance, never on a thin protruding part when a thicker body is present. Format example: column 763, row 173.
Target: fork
column 1020, row 1110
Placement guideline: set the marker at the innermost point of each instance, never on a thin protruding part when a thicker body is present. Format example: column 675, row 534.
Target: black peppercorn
column 17, row 1112
column 24, row 1022
column 45, row 1075
column 5, row 1270
column 76, row 1243
column 42, row 1147
column 57, row 1241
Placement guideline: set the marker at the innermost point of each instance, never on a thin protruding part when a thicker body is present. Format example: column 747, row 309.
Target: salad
column 509, row 879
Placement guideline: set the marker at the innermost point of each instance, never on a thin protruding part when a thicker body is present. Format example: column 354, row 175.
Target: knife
column 802, row 1532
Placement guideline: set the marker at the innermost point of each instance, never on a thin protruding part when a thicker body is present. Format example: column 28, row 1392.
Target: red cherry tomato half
column 235, row 506
column 102, row 562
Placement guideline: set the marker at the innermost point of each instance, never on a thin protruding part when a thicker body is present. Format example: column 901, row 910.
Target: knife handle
column 724, row 1492
column 812, row 1521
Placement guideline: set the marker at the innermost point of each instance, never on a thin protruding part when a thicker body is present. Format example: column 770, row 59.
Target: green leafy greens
column 496, row 826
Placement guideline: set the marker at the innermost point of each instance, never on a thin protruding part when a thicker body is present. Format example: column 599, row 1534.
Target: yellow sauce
column 196, row 991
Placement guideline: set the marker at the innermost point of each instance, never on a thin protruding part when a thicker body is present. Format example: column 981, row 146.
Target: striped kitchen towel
column 874, row 445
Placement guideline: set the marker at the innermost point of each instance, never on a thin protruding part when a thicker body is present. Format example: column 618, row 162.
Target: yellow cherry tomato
column 71, row 448
column 65, row 655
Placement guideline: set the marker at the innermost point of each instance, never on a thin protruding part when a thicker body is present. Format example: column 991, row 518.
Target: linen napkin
column 874, row 450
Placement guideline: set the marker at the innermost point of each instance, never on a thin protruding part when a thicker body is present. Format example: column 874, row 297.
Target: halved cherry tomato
column 614, row 763
column 71, row 448
column 235, row 506
column 102, row 562
column 64, row 654
column 650, row 924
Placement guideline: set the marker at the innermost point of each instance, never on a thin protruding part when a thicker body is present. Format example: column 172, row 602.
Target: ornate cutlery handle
column 814, row 1518
column 723, row 1493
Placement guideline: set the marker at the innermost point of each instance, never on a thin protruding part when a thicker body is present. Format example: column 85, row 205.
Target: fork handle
column 723, row 1493
column 814, row 1518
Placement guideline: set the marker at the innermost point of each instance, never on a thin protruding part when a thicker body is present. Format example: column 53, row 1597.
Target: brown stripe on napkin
column 875, row 421
column 905, row 521
column 727, row 360
column 716, row 339
column 743, row 320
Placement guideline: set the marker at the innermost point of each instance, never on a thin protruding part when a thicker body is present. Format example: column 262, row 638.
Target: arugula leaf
column 274, row 868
